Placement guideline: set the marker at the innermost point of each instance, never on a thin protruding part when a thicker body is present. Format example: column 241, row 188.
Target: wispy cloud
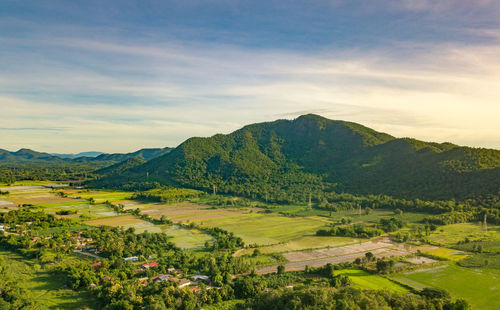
column 69, row 88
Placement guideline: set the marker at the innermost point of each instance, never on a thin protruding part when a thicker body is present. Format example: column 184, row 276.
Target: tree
column 281, row 269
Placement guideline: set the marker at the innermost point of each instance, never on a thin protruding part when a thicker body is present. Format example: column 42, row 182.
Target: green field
column 480, row 287
column 265, row 229
column 304, row 243
column 185, row 238
column 449, row 254
column 449, row 235
column 366, row 280
column 81, row 208
column 484, row 260
column 47, row 290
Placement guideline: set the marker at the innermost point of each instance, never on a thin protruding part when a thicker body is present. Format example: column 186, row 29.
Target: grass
column 480, row 287
column 488, row 246
column 115, row 221
column 185, row 238
column 99, row 195
column 82, row 208
column 266, row 229
column 366, row 280
column 485, row 260
column 304, row 243
column 449, row 235
column 46, row 289
column 449, row 254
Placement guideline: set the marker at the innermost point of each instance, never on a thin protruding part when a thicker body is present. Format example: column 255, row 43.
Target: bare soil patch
column 382, row 247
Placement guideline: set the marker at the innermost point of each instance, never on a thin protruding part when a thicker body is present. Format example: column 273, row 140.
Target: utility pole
column 310, row 203
column 214, row 190
column 359, row 207
column 485, row 224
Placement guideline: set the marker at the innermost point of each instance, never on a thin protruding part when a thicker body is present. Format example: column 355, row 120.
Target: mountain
column 27, row 156
column 144, row 154
column 313, row 154
column 120, row 167
column 82, row 154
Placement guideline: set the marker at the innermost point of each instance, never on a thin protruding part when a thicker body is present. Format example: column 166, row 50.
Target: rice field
column 480, row 287
column 366, row 280
column 304, row 243
column 266, row 229
column 449, row 254
column 449, row 235
column 185, row 211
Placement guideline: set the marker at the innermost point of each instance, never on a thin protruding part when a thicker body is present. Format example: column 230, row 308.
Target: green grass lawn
column 46, row 289
column 366, row 280
column 265, row 229
column 480, row 287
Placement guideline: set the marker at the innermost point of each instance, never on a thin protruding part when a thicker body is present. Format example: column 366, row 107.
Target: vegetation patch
column 484, row 260
column 264, row 229
column 366, row 280
column 480, row 287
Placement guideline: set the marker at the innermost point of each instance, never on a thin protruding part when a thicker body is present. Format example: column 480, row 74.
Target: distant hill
column 144, row 154
column 314, row 154
column 82, row 154
column 27, row 156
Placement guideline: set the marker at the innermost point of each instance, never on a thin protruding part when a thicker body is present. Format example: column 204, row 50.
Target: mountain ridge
column 318, row 153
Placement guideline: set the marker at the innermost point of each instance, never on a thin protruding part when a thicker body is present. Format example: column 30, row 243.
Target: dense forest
column 289, row 160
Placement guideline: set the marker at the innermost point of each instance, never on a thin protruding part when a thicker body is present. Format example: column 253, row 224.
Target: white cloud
column 172, row 91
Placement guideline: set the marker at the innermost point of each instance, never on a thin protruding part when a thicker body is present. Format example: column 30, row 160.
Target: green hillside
column 314, row 154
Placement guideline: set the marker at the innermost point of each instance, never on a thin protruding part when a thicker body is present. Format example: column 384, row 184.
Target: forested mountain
column 144, row 154
column 315, row 154
column 27, row 156
column 27, row 164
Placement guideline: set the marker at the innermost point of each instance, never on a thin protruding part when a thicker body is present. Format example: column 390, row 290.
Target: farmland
column 47, row 289
column 265, row 229
column 370, row 281
column 282, row 234
column 450, row 235
column 481, row 287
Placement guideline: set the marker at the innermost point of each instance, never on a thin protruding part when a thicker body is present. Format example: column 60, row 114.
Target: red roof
column 148, row 265
column 98, row 264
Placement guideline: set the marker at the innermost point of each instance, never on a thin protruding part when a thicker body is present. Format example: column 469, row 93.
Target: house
column 106, row 278
column 183, row 283
column 149, row 265
column 200, row 278
column 160, row 277
column 163, row 278
column 143, row 280
column 95, row 265
column 180, row 282
column 174, row 271
column 131, row 259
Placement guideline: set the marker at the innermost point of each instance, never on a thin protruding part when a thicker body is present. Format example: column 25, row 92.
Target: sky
column 116, row 76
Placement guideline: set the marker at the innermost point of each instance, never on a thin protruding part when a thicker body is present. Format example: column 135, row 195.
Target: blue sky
column 115, row 76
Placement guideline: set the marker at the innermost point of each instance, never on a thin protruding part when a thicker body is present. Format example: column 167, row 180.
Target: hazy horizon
column 215, row 133
column 86, row 75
